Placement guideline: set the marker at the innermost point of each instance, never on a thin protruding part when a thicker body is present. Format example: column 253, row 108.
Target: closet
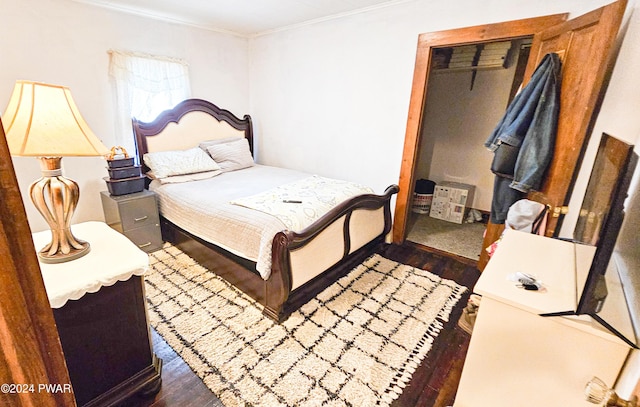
column 585, row 45
column 469, row 90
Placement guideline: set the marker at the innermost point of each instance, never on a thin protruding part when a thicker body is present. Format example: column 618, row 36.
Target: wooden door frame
column 426, row 42
column 30, row 349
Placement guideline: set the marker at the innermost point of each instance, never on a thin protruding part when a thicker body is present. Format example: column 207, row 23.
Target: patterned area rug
column 357, row 343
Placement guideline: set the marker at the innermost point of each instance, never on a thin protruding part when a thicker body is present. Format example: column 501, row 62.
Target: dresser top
column 550, row 261
column 112, row 258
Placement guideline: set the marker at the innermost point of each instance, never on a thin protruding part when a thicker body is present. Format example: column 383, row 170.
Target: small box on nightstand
column 135, row 216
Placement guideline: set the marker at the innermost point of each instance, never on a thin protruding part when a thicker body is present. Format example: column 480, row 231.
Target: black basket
column 124, row 186
column 120, row 162
column 124, row 172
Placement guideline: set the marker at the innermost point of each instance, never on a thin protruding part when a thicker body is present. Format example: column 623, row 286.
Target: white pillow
column 231, row 156
column 179, row 162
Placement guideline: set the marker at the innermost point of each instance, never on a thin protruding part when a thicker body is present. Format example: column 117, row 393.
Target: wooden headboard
column 187, row 124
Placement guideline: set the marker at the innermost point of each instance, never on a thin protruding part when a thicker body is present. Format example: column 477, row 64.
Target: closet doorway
column 456, row 108
column 469, row 89
column 585, row 45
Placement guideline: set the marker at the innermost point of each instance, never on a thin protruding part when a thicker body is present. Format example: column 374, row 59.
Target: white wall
column 65, row 43
column 458, row 120
column 332, row 98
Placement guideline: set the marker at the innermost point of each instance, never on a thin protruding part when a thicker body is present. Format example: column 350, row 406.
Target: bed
column 210, row 219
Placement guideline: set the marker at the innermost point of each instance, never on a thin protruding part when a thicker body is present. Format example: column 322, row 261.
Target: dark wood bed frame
column 275, row 293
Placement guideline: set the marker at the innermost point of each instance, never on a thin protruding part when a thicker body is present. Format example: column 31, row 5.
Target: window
column 145, row 85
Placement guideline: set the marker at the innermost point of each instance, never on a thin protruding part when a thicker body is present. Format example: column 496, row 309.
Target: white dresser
column 517, row 357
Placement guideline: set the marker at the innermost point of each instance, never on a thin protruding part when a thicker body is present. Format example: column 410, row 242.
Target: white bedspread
column 204, row 209
column 300, row 203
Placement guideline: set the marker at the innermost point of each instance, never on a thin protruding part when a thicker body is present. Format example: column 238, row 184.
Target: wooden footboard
column 305, row 263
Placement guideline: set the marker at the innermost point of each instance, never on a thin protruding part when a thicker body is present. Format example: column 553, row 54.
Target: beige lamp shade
column 42, row 120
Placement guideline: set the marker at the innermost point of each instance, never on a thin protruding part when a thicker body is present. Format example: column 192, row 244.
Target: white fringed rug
column 357, row 343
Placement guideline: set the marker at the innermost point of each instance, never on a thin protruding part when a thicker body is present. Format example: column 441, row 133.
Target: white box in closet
column 450, row 201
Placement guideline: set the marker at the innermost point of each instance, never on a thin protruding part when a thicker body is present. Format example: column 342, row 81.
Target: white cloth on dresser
column 113, row 257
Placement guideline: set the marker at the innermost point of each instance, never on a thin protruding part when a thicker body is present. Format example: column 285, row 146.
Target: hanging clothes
column 526, row 216
column 524, row 139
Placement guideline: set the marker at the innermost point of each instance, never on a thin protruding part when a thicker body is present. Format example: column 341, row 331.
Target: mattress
column 204, row 209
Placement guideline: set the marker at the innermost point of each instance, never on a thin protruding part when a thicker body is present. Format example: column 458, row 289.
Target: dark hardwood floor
column 433, row 384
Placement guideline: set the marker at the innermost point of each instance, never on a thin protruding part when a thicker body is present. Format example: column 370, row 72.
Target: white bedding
column 204, row 209
column 300, row 203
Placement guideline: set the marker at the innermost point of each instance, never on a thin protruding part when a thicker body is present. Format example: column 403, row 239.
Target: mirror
column 608, row 167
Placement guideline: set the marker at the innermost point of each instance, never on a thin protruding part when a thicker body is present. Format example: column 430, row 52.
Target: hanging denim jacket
column 528, row 128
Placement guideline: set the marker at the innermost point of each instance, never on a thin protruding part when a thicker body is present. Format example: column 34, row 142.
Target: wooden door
column 30, row 350
column 584, row 45
column 426, row 44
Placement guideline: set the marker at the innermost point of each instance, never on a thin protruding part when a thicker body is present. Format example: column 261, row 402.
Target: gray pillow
column 231, row 156
column 204, row 145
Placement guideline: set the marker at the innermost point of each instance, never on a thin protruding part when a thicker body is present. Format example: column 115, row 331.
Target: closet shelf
column 467, row 68
column 472, row 57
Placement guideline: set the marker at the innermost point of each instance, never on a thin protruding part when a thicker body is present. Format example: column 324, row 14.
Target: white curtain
column 145, row 85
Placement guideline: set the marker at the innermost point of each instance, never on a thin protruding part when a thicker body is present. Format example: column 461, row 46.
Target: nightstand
column 99, row 306
column 135, row 216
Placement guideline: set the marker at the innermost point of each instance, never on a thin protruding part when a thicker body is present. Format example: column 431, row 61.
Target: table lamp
column 42, row 120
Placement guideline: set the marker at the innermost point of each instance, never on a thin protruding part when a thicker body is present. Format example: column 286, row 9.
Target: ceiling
column 242, row 17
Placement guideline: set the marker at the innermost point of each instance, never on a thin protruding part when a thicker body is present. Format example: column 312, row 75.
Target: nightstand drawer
column 147, row 238
column 135, row 216
column 139, row 213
